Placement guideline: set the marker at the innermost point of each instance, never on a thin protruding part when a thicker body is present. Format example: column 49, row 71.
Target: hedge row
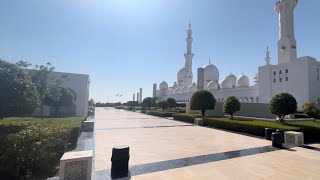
column 31, row 147
column 310, row 129
column 162, row 114
column 186, row 117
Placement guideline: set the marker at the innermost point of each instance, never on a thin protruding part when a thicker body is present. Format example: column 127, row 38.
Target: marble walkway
column 166, row 149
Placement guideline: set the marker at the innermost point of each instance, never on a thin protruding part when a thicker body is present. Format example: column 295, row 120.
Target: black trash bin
column 276, row 139
column 282, row 133
column 267, row 133
column 120, row 162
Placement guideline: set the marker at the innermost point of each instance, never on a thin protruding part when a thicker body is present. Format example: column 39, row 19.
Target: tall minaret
column 189, row 56
column 287, row 46
column 267, row 56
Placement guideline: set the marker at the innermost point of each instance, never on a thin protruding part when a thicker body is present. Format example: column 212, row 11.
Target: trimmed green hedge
column 310, row 129
column 33, row 147
column 252, row 127
column 186, row 117
column 162, row 114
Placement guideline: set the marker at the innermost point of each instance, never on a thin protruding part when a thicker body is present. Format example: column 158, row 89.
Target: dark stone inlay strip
column 190, row 161
column 142, row 127
column 311, row 148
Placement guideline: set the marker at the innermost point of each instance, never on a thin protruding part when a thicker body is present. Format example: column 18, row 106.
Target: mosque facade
column 297, row 76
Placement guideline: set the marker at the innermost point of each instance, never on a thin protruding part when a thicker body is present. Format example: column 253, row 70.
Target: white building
column 297, row 76
column 79, row 83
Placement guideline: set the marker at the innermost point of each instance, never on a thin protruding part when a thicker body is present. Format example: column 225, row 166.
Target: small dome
column 184, row 90
column 193, row 88
column 181, row 75
column 163, row 85
column 243, row 81
column 175, row 85
column 233, row 79
column 211, row 73
column 226, row 84
column 212, row 85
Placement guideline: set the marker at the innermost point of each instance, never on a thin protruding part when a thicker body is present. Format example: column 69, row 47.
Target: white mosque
column 297, row 76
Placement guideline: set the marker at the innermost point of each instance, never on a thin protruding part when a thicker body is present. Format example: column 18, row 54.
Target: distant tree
column 172, row 103
column 310, row 109
column 40, row 76
column 132, row 103
column 18, row 94
column 91, row 102
column 58, row 96
column 231, row 105
column 202, row 100
column 283, row 104
column 154, row 101
column 163, row 105
column 147, row 102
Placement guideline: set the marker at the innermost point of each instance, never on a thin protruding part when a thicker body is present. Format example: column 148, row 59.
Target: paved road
column 166, row 149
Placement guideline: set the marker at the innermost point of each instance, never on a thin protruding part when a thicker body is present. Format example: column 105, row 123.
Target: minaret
column 189, row 56
column 134, row 97
column 287, row 46
column 140, row 95
column 154, row 90
column 267, row 56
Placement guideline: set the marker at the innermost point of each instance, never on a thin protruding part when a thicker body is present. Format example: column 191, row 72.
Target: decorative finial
column 209, row 61
column 189, row 25
column 267, row 56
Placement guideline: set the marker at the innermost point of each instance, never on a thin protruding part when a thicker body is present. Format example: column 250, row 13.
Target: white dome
column 174, row 85
column 181, row 75
column 193, row 88
column 226, row 84
column 243, row 81
column 233, row 79
column 184, row 90
column 212, row 85
column 211, row 73
column 163, row 85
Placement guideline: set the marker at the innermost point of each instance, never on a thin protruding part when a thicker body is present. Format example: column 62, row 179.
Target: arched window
column 280, row 72
column 251, row 99
column 257, row 99
column 240, row 99
column 246, row 100
column 274, row 73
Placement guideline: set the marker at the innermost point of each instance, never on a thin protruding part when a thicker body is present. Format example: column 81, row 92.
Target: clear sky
column 127, row 44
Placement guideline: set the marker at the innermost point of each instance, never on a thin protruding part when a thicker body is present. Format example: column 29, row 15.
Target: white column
column 200, row 84
column 287, row 46
column 140, row 95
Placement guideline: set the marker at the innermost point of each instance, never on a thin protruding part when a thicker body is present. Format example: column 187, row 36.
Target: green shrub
column 162, row 114
column 231, row 105
column 310, row 129
column 202, row 100
column 283, row 104
column 186, row 117
column 310, row 109
column 33, row 147
column 163, row 105
column 172, row 103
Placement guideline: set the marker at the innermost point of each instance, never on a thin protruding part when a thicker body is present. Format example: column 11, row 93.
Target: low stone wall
column 258, row 110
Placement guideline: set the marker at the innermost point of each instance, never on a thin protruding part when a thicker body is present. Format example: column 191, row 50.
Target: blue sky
column 127, row 44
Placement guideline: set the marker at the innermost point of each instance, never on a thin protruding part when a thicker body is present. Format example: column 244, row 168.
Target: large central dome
column 211, row 73
column 181, row 75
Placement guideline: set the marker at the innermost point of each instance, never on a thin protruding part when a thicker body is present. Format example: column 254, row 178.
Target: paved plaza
column 166, row 149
